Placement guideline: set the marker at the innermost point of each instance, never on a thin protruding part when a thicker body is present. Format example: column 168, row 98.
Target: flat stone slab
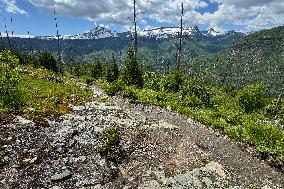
column 61, row 176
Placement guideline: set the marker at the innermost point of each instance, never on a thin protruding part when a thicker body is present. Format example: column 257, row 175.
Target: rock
column 61, row 176
column 98, row 186
column 22, row 120
column 28, row 160
column 217, row 168
column 55, row 187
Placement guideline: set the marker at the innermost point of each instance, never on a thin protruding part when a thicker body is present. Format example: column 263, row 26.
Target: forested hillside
column 258, row 57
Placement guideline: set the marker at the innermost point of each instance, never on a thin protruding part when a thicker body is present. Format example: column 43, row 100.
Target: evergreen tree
column 97, row 71
column 132, row 74
column 112, row 71
column 47, row 60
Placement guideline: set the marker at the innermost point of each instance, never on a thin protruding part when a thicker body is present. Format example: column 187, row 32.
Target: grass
column 43, row 95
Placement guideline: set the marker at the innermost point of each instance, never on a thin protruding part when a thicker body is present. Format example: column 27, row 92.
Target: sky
column 79, row 16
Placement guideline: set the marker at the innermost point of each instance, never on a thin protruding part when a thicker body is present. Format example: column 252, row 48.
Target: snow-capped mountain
column 167, row 32
column 214, row 31
column 100, row 32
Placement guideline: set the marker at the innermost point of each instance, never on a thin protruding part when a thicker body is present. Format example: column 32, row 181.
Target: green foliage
column 196, row 88
column 11, row 97
column 89, row 80
column 173, row 82
column 192, row 102
column 9, row 58
column 152, row 81
column 115, row 87
column 26, row 59
column 132, row 73
column 130, row 93
column 98, row 70
column 253, row 59
column 112, row 136
column 112, row 72
column 47, row 60
column 251, row 98
column 111, row 147
column 44, row 97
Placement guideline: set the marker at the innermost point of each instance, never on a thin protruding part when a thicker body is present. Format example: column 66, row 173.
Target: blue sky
column 78, row 16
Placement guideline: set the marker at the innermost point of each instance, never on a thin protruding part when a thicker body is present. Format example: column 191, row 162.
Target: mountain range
column 100, row 32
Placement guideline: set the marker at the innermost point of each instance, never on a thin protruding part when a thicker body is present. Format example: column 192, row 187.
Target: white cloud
column 11, row 7
column 248, row 14
column 118, row 11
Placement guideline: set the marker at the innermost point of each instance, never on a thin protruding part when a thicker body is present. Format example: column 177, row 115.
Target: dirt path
column 158, row 149
column 197, row 141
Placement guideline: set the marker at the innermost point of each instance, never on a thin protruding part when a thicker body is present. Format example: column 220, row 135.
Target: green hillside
column 258, row 57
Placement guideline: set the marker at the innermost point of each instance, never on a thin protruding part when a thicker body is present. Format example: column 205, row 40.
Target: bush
column 132, row 73
column 115, row 87
column 251, row 98
column 9, row 58
column 111, row 147
column 199, row 90
column 26, row 59
column 11, row 96
column 89, row 80
column 47, row 60
column 192, row 101
column 173, row 82
column 130, row 94
column 152, row 81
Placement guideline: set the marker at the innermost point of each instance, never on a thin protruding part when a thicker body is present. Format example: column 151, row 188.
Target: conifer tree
column 97, row 71
column 132, row 74
column 112, row 71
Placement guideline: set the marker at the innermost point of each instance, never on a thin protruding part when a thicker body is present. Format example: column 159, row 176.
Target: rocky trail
column 157, row 149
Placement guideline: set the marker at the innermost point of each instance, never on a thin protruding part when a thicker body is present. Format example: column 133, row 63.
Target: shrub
column 152, row 81
column 111, row 147
column 9, row 58
column 115, row 87
column 198, row 89
column 26, row 59
column 173, row 82
column 132, row 73
column 11, row 96
column 89, row 80
column 251, row 98
column 192, row 101
column 130, row 94
column 47, row 60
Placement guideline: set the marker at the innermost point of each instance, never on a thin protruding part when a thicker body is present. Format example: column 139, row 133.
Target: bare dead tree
column 135, row 30
column 58, row 44
column 31, row 46
column 7, row 34
column 58, row 36
column 12, row 34
column 2, row 41
column 180, row 38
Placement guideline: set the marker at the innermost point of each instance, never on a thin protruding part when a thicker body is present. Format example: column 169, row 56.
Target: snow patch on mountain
column 166, row 32
column 101, row 32
column 214, row 31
